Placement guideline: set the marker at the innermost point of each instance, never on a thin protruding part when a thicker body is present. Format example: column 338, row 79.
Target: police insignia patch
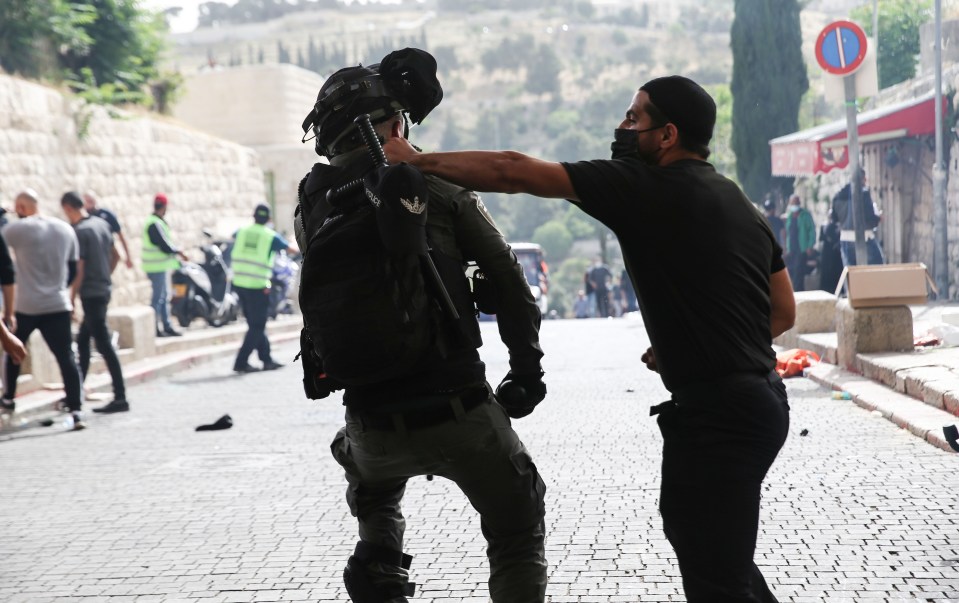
column 415, row 206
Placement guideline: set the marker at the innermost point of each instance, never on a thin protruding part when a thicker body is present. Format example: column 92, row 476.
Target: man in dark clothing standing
column 776, row 223
column 629, row 292
column 252, row 259
column 599, row 277
column 159, row 259
column 91, row 203
column 438, row 417
column 842, row 213
column 713, row 291
column 94, row 285
column 830, row 256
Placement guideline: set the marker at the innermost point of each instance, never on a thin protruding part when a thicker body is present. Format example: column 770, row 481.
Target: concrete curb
column 38, row 403
column 907, row 412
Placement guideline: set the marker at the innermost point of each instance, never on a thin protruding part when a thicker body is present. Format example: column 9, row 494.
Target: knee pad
column 357, row 579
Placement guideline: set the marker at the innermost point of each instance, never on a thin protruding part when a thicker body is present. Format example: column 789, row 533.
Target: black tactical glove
column 519, row 394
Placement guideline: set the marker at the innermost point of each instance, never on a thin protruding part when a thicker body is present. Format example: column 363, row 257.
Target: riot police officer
column 440, row 417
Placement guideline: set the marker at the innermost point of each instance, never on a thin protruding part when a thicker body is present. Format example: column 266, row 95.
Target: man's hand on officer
column 519, row 394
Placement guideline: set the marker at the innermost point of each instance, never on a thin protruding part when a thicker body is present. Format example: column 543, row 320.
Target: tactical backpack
column 374, row 304
column 365, row 310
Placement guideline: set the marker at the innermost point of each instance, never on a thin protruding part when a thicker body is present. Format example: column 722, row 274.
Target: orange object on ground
column 791, row 362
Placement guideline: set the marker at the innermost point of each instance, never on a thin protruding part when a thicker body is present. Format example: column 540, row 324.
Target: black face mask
column 625, row 143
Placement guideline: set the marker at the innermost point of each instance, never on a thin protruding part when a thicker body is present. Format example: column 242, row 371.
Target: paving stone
column 141, row 508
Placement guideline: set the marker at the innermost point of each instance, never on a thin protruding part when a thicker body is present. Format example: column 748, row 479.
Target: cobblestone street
column 140, row 507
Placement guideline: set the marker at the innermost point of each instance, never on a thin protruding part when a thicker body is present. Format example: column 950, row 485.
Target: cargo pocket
column 340, row 447
column 526, row 468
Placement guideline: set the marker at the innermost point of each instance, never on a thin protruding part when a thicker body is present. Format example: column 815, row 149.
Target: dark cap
column 769, row 204
column 262, row 213
column 685, row 104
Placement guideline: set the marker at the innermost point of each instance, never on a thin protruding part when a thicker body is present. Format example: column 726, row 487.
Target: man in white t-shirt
column 45, row 253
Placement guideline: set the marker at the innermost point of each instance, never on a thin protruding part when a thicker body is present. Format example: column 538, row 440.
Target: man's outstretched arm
column 488, row 171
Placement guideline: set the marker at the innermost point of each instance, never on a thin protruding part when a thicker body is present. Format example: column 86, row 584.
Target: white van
column 532, row 259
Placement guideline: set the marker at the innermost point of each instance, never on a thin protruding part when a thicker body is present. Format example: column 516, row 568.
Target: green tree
column 127, row 42
column 898, row 43
column 108, row 50
column 579, row 223
column 555, row 239
column 529, row 212
column 32, row 32
column 451, row 136
column 722, row 156
column 769, row 79
column 542, row 74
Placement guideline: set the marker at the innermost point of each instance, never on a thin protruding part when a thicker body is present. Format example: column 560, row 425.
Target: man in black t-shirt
column 91, row 203
column 599, row 278
column 777, row 224
column 713, row 291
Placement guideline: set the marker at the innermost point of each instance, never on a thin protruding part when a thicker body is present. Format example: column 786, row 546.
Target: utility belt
column 704, row 393
column 436, row 408
column 849, row 236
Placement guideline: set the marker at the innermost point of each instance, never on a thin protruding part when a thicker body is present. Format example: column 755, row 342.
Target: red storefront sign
column 823, row 148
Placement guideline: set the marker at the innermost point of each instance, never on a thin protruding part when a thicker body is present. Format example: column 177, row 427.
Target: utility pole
column 875, row 28
column 855, row 186
column 941, row 230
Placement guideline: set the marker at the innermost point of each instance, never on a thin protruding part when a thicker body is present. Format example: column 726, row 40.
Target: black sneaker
column 245, row 368
column 271, row 366
column 115, row 406
column 172, row 333
column 7, row 405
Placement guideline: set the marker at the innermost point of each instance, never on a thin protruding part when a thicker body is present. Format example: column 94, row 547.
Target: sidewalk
column 917, row 390
column 199, row 343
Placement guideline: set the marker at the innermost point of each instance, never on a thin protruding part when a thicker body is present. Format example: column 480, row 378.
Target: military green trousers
column 480, row 452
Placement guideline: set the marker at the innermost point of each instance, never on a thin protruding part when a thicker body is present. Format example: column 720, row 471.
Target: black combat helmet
column 403, row 82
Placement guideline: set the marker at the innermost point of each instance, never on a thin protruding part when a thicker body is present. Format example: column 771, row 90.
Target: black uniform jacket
column 460, row 230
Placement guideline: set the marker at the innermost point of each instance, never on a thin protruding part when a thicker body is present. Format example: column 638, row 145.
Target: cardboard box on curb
column 886, row 285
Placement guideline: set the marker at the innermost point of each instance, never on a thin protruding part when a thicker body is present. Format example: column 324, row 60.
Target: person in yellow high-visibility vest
column 159, row 258
column 254, row 247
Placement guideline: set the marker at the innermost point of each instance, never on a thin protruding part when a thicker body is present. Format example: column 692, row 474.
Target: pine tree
column 769, row 79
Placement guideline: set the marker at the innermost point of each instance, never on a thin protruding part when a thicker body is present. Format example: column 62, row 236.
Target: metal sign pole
column 940, row 228
column 852, row 133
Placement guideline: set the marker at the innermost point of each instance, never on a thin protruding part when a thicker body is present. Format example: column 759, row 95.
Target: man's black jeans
column 55, row 329
column 255, row 304
column 95, row 325
column 719, row 440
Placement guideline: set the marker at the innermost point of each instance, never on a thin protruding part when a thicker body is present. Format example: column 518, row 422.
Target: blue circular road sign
column 841, row 47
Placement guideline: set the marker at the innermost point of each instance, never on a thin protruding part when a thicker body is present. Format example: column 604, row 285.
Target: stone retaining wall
column 52, row 142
